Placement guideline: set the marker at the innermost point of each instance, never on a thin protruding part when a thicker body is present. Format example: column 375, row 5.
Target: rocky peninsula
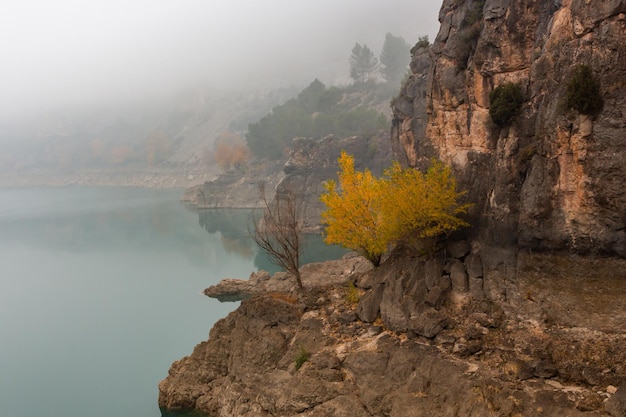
column 421, row 338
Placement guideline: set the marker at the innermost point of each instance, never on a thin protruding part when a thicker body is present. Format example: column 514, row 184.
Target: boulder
column 457, row 249
column 458, row 276
column 616, row 405
column 368, row 309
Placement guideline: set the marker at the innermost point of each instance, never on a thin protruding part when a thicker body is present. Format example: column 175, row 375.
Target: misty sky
column 77, row 52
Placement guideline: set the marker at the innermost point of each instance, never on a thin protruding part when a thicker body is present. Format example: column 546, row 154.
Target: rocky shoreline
column 153, row 178
column 552, row 348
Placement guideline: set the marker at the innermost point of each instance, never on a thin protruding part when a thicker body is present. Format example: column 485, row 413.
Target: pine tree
column 363, row 64
column 394, row 58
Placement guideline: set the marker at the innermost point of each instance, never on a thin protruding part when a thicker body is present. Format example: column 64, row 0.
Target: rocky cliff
column 554, row 178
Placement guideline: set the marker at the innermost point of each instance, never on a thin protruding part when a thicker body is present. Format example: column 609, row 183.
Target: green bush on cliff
column 583, row 92
column 422, row 42
column 505, row 102
column 301, row 358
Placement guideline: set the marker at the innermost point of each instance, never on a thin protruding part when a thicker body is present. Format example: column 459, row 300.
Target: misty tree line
column 317, row 111
column 391, row 66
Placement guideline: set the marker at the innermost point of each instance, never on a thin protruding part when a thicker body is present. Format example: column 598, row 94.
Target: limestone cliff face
column 554, row 179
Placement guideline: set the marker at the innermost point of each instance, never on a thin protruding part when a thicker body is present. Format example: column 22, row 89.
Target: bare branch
column 279, row 233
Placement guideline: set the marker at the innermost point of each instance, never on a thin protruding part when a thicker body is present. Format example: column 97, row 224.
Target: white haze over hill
column 74, row 54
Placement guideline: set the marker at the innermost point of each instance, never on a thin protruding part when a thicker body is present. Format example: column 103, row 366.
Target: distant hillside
column 319, row 111
column 181, row 134
column 143, row 135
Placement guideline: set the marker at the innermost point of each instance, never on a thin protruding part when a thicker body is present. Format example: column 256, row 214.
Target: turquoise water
column 100, row 293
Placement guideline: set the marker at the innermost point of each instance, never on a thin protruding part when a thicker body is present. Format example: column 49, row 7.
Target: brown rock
column 616, row 405
column 458, row 277
column 368, row 309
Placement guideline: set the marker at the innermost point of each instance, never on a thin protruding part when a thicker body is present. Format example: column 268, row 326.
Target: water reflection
column 111, row 219
column 232, row 225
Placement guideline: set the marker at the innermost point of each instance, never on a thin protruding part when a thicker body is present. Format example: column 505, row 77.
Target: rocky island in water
column 522, row 314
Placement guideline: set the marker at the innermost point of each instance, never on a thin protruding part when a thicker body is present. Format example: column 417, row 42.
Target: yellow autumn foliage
column 370, row 214
column 419, row 205
column 229, row 156
column 354, row 215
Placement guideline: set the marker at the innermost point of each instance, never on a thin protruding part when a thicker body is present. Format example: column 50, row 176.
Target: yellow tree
column 222, row 156
column 369, row 215
column 231, row 151
column 419, row 205
column 353, row 215
column 240, row 155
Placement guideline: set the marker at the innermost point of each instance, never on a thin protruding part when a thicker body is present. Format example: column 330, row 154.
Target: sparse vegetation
column 278, row 232
column 370, row 215
column 301, row 357
column 583, row 92
column 505, row 102
column 352, row 293
column 422, row 42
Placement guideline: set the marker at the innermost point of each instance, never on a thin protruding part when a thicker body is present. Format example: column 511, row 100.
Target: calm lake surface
column 100, row 293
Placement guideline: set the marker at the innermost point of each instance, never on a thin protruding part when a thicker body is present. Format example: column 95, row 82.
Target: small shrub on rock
column 505, row 102
column 422, row 42
column 301, row 358
column 583, row 92
column 352, row 293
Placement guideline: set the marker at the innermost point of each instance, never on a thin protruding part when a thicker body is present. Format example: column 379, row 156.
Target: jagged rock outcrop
column 554, row 179
column 461, row 357
column 314, row 161
column 236, row 189
column 311, row 162
column 316, row 274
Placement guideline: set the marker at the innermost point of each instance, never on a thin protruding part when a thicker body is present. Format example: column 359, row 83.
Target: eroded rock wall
column 554, row 179
column 421, row 341
column 314, row 161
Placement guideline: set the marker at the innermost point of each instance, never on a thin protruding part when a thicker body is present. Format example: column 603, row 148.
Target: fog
column 76, row 54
